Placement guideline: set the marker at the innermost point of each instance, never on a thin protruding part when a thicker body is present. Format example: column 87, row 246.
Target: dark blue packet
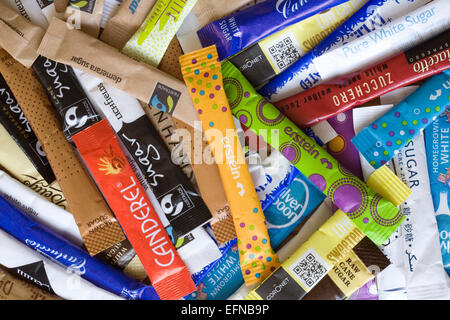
column 239, row 30
column 75, row 259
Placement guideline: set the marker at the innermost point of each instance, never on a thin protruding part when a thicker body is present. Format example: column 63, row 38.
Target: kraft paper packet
column 16, row 124
column 202, row 74
column 144, row 82
column 85, row 14
column 17, row 164
column 19, row 37
column 151, row 40
column 125, row 22
column 98, row 226
column 12, row 288
column 210, row 184
column 207, row 11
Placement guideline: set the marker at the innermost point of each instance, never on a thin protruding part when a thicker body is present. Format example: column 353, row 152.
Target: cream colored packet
column 19, row 37
column 86, row 14
column 12, row 288
column 125, row 22
column 145, row 83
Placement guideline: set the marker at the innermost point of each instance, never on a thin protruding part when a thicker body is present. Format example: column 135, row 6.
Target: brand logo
column 76, row 264
column 165, row 98
column 280, row 286
column 250, row 62
column 72, row 120
column 289, row 7
column 110, row 163
column 55, row 75
column 13, row 106
column 175, row 201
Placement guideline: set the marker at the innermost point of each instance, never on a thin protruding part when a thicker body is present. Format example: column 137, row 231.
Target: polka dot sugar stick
column 202, row 74
column 388, row 134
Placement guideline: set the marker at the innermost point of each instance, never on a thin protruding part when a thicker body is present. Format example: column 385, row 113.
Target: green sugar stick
column 374, row 215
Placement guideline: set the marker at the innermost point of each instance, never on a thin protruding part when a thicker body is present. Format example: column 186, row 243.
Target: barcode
column 309, row 269
column 284, row 51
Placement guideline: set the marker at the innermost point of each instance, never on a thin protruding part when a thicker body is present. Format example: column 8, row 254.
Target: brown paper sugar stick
column 98, row 226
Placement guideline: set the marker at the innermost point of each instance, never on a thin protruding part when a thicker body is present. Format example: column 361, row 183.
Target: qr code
column 284, row 51
column 309, row 269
